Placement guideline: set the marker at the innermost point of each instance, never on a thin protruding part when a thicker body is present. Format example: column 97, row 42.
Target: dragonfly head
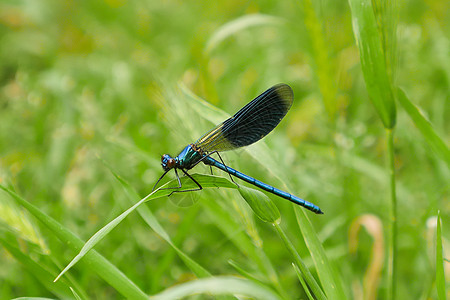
column 167, row 162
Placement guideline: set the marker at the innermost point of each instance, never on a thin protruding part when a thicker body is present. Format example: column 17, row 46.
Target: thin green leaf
column 77, row 297
column 204, row 180
column 331, row 282
column 425, row 127
column 312, row 283
column 232, row 229
column 260, row 204
column 386, row 14
column 302, row 281
column 98, row 236
column 228, row 224
column 246, row 274
column 98, row 263
column 373, row 62
column 440, row 275
column 217, row 286
column 60, row 289
column 150, row 219
column 14, row 217
column 168, row 259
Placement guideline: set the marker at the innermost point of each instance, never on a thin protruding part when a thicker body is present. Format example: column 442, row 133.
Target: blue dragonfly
column 250, row 124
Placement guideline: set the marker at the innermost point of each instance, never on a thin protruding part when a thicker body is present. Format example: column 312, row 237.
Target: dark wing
column 251, row 123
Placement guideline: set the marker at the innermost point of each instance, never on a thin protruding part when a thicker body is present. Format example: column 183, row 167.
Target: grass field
column 92, row 93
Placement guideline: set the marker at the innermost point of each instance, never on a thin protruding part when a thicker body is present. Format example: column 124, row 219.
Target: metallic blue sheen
column 187, row 158
column 264, row 186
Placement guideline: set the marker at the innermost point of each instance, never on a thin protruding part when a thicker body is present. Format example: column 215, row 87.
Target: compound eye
column 171, row 163
column 165, row 158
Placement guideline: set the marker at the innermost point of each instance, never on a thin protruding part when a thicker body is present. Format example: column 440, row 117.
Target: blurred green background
column 120, row 81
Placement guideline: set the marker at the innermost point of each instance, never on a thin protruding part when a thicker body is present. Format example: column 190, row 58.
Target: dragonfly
column 250, row 124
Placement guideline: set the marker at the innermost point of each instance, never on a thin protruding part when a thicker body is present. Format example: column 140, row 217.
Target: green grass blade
column 246, row 274
column 440, row 275
column 262, row 206
column 166, row 262
column 150, row 219
column 373, row 61
column 386, row 14
column 99, row 235
column 217, row 286
column 331, row 281
column 302, row 282
column 425, row 127
column 59, row 289
column 205, row 180
column 233, row 230
column 16, row 220
column 75, row 294
column 99, row 264
column 312, row 283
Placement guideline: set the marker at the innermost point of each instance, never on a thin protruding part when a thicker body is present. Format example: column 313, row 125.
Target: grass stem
column 392, row 243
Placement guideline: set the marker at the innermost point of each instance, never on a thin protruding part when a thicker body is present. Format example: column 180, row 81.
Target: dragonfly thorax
column 187, row 158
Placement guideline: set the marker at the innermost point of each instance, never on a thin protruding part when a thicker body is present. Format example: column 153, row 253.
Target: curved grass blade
column 261, row 205
column 77, row 297
column 331, row 282
column 205, row 180
column 217, row 286
column 150, row 219
column 97, row 262
column 168, row 259
column 302, row 281
column 311, row 281
column 425, row 127
column 373, row 61
column 251, row 249
column 60, row 289
column 246, row 274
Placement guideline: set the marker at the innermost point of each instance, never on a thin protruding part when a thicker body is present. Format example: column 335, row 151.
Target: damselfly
column 250, row 124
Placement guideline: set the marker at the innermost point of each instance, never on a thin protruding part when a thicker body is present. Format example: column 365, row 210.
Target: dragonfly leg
column 190, row 190
column 210, row 167
column 226, row 167
column 169, row 188
column 179, row 183
column 154, row 187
